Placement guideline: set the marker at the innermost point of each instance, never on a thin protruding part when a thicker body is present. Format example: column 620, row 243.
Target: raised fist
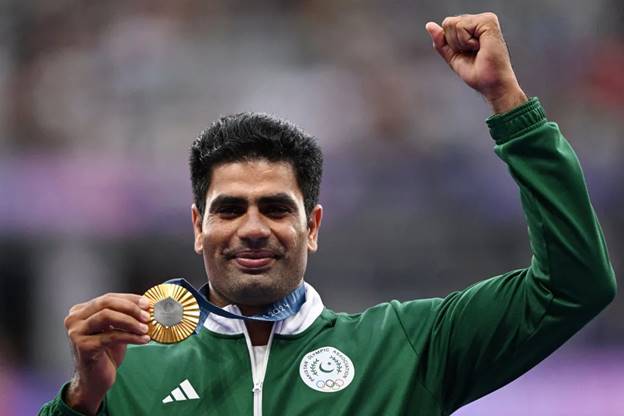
column 474, row 48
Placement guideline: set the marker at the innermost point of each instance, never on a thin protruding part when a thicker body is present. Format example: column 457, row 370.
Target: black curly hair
column 250, row 136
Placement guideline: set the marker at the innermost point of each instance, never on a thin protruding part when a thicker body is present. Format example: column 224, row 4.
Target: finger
column 449, row 26
column 77, row 307
column 465, row 37
column 126, row 303
column 73, row 315
column 436, row 33
column 90, row 344
column 108, row 319
column 439, row 41
column 475, row 27
column 120, row 337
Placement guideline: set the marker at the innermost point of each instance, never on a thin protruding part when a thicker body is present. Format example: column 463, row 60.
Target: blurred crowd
column 99, row 102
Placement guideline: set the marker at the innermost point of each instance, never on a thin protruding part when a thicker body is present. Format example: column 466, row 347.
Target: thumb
column 439, row 41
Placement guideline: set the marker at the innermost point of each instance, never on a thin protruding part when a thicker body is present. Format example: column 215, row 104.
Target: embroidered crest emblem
column 327, row 370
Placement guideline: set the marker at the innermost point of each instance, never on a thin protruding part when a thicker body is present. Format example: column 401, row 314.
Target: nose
column 253, row 229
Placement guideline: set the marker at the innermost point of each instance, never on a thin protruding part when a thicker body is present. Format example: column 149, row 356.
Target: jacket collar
column 295, row 324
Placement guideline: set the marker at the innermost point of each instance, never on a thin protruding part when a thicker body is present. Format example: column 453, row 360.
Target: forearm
column 570, row 255
column 82, row 399
column 61, row 407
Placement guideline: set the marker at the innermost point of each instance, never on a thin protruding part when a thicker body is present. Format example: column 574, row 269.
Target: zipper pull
column 257, row 388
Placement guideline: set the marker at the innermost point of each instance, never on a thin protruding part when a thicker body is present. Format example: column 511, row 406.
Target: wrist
column 81, row 399
column 508, row 100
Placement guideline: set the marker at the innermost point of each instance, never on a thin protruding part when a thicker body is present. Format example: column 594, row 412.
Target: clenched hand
column 474, row 48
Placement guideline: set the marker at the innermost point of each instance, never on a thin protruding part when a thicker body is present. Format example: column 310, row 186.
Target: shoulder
column 385, row 315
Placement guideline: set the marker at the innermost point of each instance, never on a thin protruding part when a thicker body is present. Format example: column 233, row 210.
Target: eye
column 277, row 210
column 229, row 211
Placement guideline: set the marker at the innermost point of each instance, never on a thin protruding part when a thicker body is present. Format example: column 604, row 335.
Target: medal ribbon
column 277, row 311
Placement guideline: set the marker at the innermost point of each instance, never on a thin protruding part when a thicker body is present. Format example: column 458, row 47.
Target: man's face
column 254, row 235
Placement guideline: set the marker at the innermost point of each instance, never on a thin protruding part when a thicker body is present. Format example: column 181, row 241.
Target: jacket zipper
column 258, row 371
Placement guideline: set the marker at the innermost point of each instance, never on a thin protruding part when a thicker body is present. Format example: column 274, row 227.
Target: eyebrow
column 226, row 200
column 278, row 198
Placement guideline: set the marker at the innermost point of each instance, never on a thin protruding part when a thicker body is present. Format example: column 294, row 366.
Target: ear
column 197, row 229
column 314, row 223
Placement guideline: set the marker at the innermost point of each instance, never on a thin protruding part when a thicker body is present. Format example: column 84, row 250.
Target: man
column 256, row 218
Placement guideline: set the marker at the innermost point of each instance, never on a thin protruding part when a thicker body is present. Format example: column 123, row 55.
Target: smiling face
column 254, row 235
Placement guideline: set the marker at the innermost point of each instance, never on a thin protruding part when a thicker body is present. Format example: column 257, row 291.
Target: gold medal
column 174, row 313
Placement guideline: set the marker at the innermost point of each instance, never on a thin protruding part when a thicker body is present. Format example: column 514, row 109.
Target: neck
column 259, row 332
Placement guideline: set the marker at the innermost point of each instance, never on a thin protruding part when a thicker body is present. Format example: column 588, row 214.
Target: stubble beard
column 247, row 289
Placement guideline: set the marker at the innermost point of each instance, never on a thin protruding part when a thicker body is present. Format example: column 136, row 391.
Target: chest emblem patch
column 326, row 370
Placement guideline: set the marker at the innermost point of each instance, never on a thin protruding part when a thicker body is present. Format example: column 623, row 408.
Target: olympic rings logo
column 331, row 384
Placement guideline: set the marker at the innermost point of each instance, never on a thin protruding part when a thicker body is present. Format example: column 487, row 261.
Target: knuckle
column 97, row 320
column 74, row 309
column 89, row 346
column 74, row 335
column 136, row 311
column 491, row 16
column 96, row 317
column 103, row 301
column 101, row 318
column 90, row 325
column 97, row 302
column 105, row 313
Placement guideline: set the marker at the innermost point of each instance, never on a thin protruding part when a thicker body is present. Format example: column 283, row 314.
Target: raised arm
column 475, row 341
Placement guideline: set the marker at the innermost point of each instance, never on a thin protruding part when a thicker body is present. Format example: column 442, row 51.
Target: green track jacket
column 423, row 357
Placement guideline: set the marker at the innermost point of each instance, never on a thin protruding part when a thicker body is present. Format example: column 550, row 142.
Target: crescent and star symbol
column 323, row 370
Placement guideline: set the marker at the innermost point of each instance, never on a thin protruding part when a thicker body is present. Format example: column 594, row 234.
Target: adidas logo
column 184, row 391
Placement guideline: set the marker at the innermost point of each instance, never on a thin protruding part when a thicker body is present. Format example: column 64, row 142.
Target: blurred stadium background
column 99, row 102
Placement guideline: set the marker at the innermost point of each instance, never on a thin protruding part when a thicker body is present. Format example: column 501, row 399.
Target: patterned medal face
column 174, row 313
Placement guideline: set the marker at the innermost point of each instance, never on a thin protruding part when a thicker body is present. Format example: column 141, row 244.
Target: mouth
column 254, row 260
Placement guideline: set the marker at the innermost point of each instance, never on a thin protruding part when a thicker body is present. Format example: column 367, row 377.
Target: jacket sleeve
column 58, row 407
column 481, row 338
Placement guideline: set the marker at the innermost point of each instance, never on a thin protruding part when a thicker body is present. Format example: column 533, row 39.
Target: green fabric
column 424, row 357
column 58, row 407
